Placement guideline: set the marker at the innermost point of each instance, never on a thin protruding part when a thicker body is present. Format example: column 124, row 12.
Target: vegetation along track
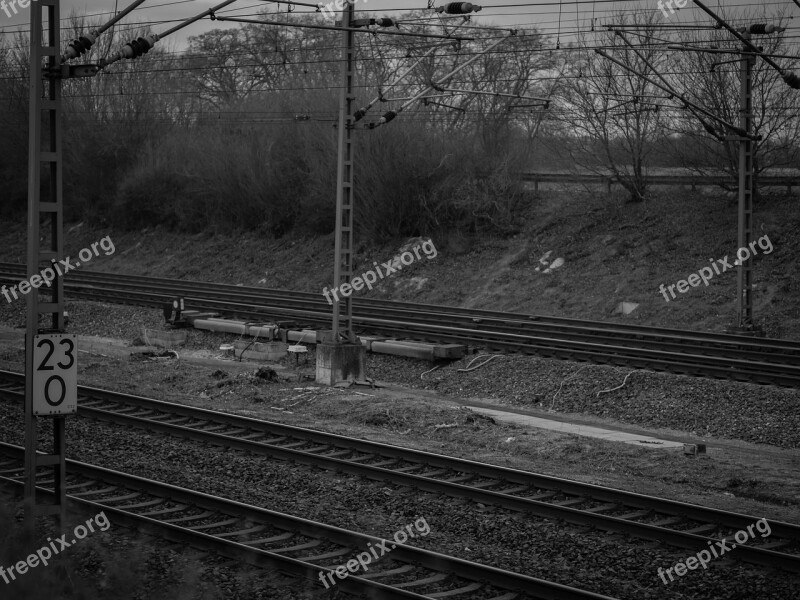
column 271, row 539
column 764, row 361
column 675, row 523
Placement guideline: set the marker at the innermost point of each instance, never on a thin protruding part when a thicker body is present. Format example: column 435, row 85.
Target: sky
column 558, row 18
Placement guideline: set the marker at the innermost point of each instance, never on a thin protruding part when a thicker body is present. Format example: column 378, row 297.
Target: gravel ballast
column 597, row 561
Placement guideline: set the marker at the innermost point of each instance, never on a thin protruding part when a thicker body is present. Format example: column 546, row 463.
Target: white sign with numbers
column 55, row 374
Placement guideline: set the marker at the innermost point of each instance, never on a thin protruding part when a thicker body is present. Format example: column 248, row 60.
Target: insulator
column 359, row 114
column 384, row 22
column 458, row 8
column 792, row 80
column 138, row 47
column 388, row 116
column 763, row 29
column 79, row 46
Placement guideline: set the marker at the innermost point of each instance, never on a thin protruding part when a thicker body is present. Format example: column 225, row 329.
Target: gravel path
column 702, row 407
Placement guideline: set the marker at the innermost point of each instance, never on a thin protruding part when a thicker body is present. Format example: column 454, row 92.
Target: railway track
column 667, row 521
column 290, row 544
column 742, row 358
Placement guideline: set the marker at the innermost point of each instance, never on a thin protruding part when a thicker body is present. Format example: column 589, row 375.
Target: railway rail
column 723, row 356
column 647, row 517
column 271, row 539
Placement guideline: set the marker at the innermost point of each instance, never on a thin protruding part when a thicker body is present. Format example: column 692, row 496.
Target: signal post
column 50, row 353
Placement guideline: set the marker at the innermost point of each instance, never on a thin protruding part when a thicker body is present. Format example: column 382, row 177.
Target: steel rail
column 680, row 362
column 283, row 297
column 308, row 300
column 316, row 311
column 236, row 530
column 737, row 360
column 647, row 517
column 745, row 370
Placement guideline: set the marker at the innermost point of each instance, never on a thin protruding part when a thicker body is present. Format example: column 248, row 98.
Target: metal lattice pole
column 44, row 157
column 744, row 282
column 343, row 265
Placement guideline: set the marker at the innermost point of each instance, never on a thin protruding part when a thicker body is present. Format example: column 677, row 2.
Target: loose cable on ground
column 429, row 371
column 469, row 367
column 616, row 388
column 552, row 402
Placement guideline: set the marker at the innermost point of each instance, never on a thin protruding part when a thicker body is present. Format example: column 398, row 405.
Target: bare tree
column 713, row 81
column 609, row 115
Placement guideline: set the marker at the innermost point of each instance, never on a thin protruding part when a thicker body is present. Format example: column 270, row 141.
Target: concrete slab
column 586, row 430
column 164, row 339
column 421, row 350
column 409, row 349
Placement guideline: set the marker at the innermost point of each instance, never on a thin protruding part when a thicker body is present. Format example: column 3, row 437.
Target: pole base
column 340, row 362
column 752, row 330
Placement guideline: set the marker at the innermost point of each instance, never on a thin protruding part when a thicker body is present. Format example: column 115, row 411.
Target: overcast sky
column 555, row 17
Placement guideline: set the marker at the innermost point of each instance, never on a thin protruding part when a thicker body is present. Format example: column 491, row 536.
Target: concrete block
column 306, row 336
column 340, row 362
column 222, row 325
column 454, row 351
column 325, row 336
column 694, row 449
column 409, row 349
column 268, row 351
column 190, row 316
column 264, row 331
column 164, row 339
column 368, row 340
column 419, row 350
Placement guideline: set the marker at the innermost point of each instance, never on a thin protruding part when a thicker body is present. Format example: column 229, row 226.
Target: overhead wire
column 377, row 47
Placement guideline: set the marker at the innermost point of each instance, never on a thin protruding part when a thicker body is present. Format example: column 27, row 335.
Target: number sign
column 55, row 374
